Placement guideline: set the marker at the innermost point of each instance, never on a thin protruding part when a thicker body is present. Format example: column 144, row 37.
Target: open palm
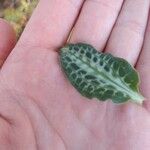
column 40, row 110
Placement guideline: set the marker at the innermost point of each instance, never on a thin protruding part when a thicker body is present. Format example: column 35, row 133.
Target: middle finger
column 95, row 22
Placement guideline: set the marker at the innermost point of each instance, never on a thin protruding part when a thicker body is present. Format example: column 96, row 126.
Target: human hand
column 40, row 109
column 7, row 40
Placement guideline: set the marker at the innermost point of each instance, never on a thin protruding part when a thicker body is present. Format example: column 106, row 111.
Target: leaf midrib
column 103, row 75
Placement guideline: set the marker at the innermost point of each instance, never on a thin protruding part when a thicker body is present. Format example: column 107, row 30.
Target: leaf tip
column 138, row 98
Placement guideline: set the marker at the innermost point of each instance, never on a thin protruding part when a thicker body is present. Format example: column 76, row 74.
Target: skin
column 8, row 40
column 40, row 110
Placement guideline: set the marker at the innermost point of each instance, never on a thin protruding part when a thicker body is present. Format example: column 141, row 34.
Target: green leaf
column 100, row 75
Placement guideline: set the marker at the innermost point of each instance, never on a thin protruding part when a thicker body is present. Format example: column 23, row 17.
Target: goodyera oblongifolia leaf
column 100, row 75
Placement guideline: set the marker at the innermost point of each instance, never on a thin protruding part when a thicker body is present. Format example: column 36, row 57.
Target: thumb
column 7, row 40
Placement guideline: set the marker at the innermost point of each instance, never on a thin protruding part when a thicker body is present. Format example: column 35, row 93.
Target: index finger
column 50, row 23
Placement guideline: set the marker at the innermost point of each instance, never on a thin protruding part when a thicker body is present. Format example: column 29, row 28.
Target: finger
column 7, row 40
column 50, row 23
column 96, row 21
column 127, row 36
column 143, row 65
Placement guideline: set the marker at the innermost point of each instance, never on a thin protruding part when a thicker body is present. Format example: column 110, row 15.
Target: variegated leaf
column 99, row 75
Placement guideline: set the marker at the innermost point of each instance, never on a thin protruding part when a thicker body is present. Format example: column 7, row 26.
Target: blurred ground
column 17, row 12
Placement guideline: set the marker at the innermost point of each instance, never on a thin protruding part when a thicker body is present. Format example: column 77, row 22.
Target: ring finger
column 128, row 33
